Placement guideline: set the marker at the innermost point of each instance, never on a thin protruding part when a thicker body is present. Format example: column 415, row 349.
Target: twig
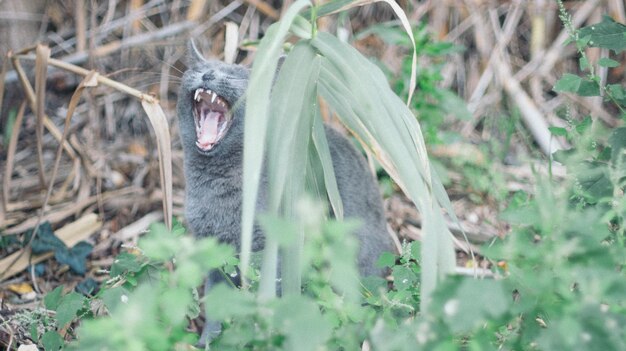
column 532, row 117
column 6, row 181
column 265, row 8
column 543, row 64
column 510, row 24
column 111, row 47
column 70, row 209
column 136, row 228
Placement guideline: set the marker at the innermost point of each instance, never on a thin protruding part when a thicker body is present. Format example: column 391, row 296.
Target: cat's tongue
column 208, row 132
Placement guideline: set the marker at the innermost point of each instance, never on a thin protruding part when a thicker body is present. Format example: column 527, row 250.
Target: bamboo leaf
column 359, row 93
column 292, row 105
column 322, row 154
column 257, row 105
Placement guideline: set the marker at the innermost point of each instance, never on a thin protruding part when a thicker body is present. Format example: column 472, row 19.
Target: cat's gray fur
column 214, row 179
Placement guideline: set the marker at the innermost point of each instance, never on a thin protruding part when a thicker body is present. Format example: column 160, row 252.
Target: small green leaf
column 68, row 308
column 404, row 278
column 125, row 263
column 174, row 303
column 583, row 125
column 475, row 302
column 87, row 287
column 594, row 181
column 292, row 314
column 588, row 88
column 114, row 296
column 562, row 155
column 189, row 274
column 583, row 63
column 53, row 298
column 386, row 259
column 569, row 82
column 617, row 92
column 527, row 214
column 617, row 140
column 76, row 257
column 578, row 85
column 51, row 340
column 223, row 302
column 159, row 244
column 558, row 131
column 177, row 228
column 34, row 332
column 46, row 240
column 607, row 62
column 607, row 34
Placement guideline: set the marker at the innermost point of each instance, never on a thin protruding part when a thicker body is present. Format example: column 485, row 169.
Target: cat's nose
column 210, row 75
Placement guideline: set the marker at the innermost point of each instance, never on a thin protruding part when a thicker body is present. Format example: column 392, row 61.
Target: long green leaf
column 322, row 151
column 383, row 123
column 257, row 109
column 292, row 107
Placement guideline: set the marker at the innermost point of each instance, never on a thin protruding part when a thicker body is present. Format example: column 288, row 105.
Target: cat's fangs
column 213, row 95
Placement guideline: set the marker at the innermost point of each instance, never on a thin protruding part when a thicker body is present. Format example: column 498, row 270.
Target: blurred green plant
column 561, row 268
column 431, row 103
column 150, row 296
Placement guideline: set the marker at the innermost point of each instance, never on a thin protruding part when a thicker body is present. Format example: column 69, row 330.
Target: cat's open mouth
column 212, row 117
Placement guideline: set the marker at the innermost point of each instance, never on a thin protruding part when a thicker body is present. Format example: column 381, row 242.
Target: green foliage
column 321, row 66
column 607, row 34
column 149, row 302
column 577, row 85
column 561, row 267
column 150, row 298
column 402, row 299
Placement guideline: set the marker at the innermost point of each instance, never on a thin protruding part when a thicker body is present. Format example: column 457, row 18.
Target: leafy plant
column 46, row 241
column 562, row 265
column 149, row 300
column 356, row 90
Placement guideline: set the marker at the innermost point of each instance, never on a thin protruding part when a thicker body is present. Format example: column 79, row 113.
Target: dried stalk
column 8, row 170
column 265, row 8
column 41, row 73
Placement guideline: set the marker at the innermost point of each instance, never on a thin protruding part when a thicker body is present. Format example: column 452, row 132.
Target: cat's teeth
column 213, row 97
column 198, row 91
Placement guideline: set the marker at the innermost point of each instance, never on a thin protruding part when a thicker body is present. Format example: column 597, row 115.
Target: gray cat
column 211, row 116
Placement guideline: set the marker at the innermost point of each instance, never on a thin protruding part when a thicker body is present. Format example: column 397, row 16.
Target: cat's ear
column 193, row 54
